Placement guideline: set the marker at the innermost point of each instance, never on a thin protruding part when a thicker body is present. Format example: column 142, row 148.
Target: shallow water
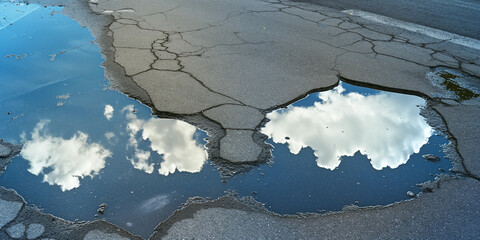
column 86, row 144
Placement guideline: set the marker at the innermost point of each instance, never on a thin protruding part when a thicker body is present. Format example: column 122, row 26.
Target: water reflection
column 386, row 127
column 138, row 200
column 63, row 161
column 12, row 12
column 108, row 112
column 172, row 139
column 155, row 203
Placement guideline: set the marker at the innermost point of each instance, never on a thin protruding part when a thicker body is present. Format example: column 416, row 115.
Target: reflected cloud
column 63, row 161
column 108, row 112
column 386, row 127
column 109, row 135
column 173, row 139
column 155, row 203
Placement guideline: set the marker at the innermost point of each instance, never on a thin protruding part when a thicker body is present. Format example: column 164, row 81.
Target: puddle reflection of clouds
column 108, row 112
column 63, row 161
column 386, row 127
column 155, row 203
column 172, row 139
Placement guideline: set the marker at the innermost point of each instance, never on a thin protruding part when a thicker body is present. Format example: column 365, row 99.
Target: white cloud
column 63, row 161
column 108, row 113
column 155, row 203
column 109, row 135
column 386, row 127
column 173, row 139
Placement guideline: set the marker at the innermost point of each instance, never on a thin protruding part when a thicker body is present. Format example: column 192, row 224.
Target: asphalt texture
column 456, row 16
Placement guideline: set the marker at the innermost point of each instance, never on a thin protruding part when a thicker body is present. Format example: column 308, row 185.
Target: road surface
column 456, row 16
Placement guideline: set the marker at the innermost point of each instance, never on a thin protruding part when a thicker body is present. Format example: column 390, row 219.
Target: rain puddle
column 85, row 144
column 354, row 145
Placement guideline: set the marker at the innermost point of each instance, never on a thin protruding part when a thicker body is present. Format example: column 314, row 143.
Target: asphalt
column 222, row 65
column 457, row 16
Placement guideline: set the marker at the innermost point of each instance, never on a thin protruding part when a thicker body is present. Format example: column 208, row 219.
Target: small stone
column 254, row 192
column 101, row 210
column 441, row 170
column 35, row 230
column 103, row 205
column 16, row 231
column 96, row 215
column 431, row 157
column 411, row 194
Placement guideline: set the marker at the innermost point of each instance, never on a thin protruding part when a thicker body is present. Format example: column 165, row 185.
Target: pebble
column 102, row 208
column 431, row 157
column 411, row 194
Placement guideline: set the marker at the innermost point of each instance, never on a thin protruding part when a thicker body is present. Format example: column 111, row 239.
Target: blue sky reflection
column 386, row 127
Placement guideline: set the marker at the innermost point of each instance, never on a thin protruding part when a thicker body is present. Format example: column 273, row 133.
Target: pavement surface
column 223, row 64
column 457, row 16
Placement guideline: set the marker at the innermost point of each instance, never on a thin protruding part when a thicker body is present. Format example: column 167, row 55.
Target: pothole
column 86, row 144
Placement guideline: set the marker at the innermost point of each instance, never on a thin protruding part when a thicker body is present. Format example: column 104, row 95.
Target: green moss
column 451, row 85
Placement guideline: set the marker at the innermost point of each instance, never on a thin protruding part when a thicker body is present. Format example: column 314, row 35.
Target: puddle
column 456, row 85
column 357, row 145
column 86, row 144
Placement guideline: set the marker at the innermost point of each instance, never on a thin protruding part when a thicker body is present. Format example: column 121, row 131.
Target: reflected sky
column 146, row 167
column 77, row 138
column 386, row 127
column 63, row 161
column 108, row 112
column 174, row 140
column 13, row 12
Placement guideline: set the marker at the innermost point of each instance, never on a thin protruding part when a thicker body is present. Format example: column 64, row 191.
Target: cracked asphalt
column 223, row 64
column 236, row 58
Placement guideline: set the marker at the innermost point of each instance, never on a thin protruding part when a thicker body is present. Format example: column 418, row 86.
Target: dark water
column 86, row 144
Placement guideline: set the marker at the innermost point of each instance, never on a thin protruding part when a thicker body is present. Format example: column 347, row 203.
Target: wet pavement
column 85, row 144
